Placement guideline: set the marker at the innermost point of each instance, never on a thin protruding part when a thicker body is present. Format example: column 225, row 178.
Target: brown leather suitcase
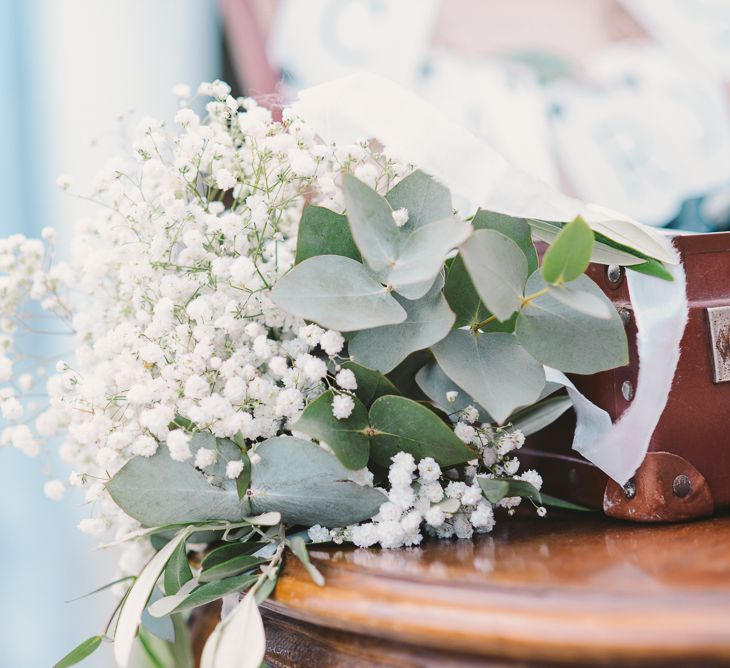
column 686, row 472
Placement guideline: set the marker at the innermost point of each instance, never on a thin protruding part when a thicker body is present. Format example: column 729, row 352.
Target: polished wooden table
column 576, row 589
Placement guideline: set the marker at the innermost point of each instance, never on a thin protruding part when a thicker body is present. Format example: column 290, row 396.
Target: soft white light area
column 66, row 68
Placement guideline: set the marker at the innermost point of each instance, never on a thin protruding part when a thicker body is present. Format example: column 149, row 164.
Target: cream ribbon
column 413, row 131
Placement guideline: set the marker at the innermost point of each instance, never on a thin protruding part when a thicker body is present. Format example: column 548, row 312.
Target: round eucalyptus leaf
column 516, row 229
column 337, row 293
column 158, row 490
column 403, row 425
column 428, row 320
column 308, row 486
column 371, row 223
column 569, row 255
column 498, row 269
column 534, row 418
column 324, row 232
column 435, row 384
column 580, row 300
column 346, row 437
column 566, row 339
column 422, row 256
column 493, row 368
column 425, row 199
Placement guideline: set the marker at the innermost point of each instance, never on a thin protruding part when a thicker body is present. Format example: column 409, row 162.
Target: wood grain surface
column 580, row 590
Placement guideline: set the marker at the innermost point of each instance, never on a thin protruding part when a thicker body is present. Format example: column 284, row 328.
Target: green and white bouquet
column 281, row 341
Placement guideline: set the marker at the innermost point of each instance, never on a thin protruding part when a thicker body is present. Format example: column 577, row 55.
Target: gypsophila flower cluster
column 167, row 296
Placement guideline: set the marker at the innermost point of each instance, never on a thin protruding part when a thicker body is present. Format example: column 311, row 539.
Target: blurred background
column 620, row 102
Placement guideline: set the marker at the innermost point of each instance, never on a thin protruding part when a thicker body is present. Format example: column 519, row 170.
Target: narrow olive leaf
column 164, row 606
column 226, row 552
column 346, row 437
column 401, row 424
column 230, row 568
column 324, row 232
column 158, row 490
column 485, row 366
column 516, row 229
column 244, row 479
column 299, row 548
column 496, row 489
column 421, row 256
column 498, row 269
column 580, row 300
column 653, row 268
column 429, row 319
column 569, row 255
column 555, row 502
column 130, row 614
column 177, row 571
column 425, row 199
column 102, row 588
column 308, row 485
column 566, row 339
column 534, row 418
column 267, row 587
column 337, row 293
column 80, row 652
column 371, row 221
column 371, row 385
column 242, row 628
column 605, row 250
column 206, row 593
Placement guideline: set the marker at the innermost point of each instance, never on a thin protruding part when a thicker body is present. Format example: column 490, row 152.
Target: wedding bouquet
column 281, row 341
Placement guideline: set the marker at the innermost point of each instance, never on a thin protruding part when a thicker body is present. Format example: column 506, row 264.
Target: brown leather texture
column 694, row 425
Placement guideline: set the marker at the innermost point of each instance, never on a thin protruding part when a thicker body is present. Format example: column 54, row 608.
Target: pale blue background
column 61, row 66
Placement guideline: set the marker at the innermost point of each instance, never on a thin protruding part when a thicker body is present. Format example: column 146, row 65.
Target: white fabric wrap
column 413, row 131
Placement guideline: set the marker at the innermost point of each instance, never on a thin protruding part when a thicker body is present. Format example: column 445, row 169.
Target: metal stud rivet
column 625, row 315
column 614, row 273
column 682, row 485
column 630, row 489
column 627, row 390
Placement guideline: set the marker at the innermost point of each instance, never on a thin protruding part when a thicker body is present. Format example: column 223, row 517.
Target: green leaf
column 177, row 571
column 80, row 652
column 268, row 586
column 308, row 486
column 516, row 229
column 493, row 368
column 462, row 296
column 299, row 548
column 230, row 568
column 347, row 437
column 102, row 588
column 404, row 425
column 425, row 198
column 498, row 269
column 371, row 221
column 538, row 416
column 605, row 250
column 130, row 614
column 653, row 268
column 244, row 479
column 227, row 552
column 158, row 490
column 580, row 300
column 569, row 255
column 569, row 340
column 371, row 385
column 555, row 502
column 428, row 320
column 324, row 232
column 435, row 384
column 207, row 593
column 421, row 256
column 496, row 489
column 336, row 293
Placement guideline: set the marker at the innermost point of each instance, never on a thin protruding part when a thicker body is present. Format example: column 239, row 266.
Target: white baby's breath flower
column 54, row 490
column 178, row 443
column 224, row 179
column 204, row 457
column 464, row 432
column 345, row 378
column 318, row 534
column 451, row 396
column 400, row 216
column 331, row 342
column 342, row 406
column 234, row 469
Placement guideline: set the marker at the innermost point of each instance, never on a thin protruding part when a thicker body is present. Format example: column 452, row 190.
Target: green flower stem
column 525, row 302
